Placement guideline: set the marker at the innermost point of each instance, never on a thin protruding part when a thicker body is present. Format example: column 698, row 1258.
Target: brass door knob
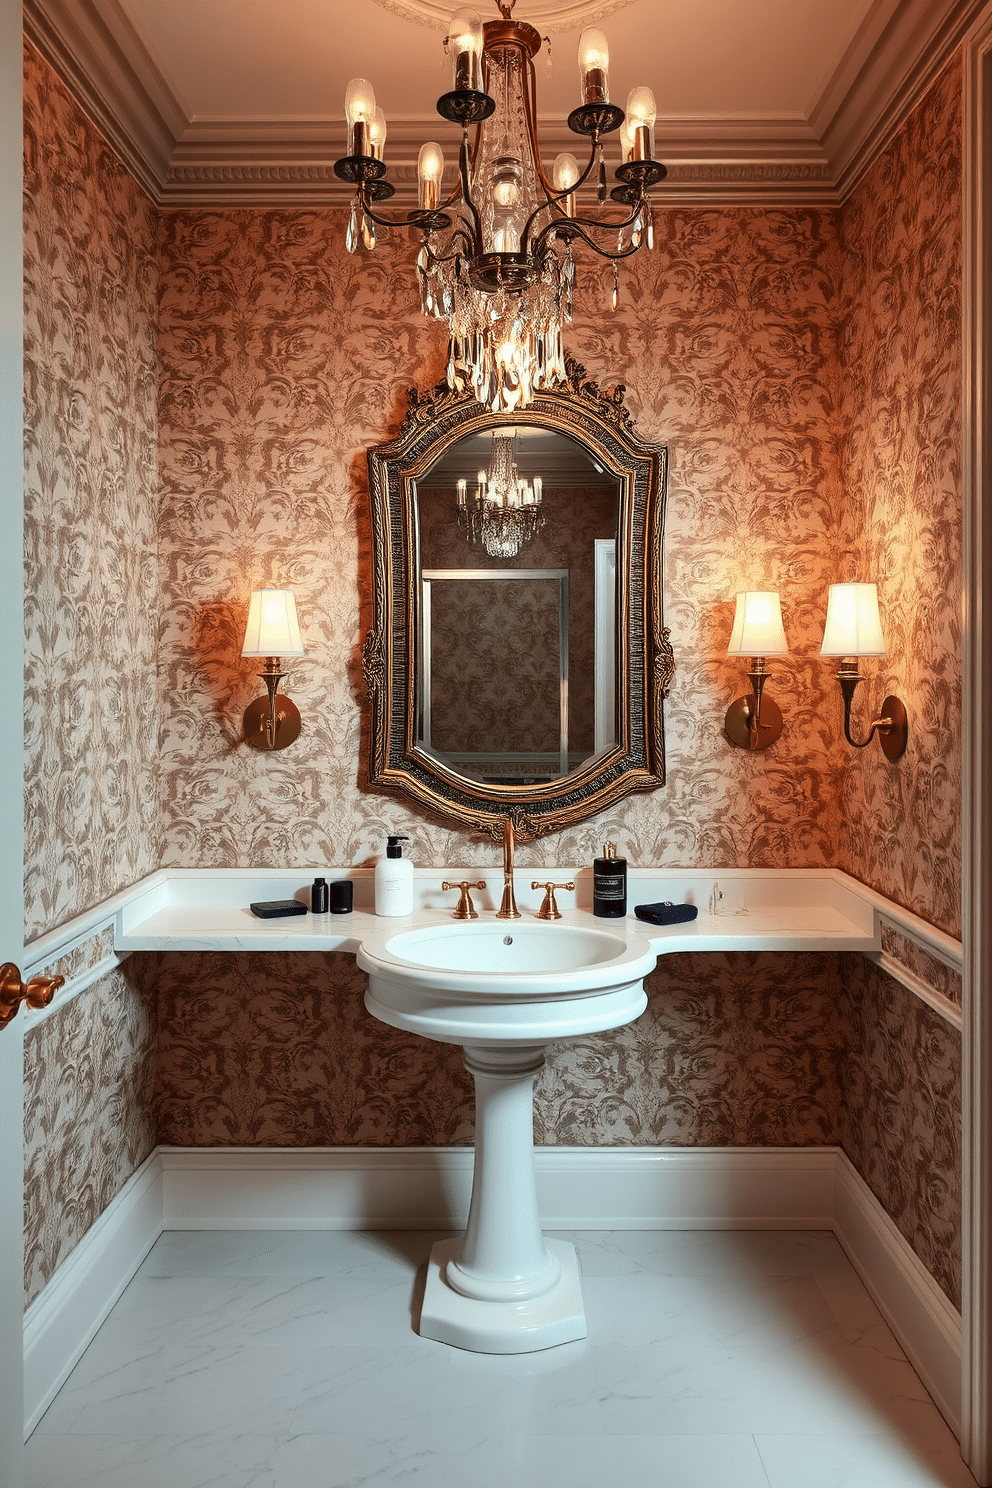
column 37, row 993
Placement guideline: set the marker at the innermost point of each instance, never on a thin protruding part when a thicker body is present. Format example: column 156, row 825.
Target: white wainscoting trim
column 926, row 1324
column 579, row 1188
column 429, row 1188
column 64, row 1317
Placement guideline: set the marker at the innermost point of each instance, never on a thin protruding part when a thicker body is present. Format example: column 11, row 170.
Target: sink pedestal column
column 503, row 1288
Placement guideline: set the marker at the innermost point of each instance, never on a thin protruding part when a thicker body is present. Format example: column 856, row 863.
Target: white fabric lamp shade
column 853, row 627
column 758, row 628
column 272, row 628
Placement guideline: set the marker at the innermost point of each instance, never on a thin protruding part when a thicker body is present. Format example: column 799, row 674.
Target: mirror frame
column 601, row 423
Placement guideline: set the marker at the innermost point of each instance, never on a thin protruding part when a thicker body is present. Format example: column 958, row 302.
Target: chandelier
column 496, row 262
column 505, row 511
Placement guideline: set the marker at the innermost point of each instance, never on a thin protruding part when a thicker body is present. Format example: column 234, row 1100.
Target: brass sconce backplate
column 258, row 718
column 894, row 738
column 737, row 722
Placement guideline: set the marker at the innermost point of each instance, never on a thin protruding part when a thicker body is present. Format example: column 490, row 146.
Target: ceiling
column 241, row 101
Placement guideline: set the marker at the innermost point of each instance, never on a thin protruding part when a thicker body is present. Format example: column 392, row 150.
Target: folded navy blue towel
column 666, row 913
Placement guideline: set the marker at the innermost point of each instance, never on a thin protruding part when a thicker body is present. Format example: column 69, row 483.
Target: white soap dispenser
column 394, row 881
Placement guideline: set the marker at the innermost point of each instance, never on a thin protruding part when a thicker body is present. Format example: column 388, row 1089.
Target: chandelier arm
column 578, row 226
column 553, row 198
column 464, row 166
column 530, row 111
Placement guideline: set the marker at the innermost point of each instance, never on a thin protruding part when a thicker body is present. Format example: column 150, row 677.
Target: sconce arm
column 271, row 676
column 892, row 728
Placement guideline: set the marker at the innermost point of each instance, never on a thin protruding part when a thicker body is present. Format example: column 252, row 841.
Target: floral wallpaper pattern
column 799, row 363
column 91, row 602
column 901, row 464
column 87, row 1114
column 901, row 1112
column 933, row 972
column 283, row 358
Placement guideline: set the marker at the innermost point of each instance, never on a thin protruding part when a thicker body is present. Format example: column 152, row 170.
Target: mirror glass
column 517, row 660
column 517, row 554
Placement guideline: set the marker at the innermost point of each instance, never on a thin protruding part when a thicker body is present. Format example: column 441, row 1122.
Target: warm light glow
column 641, row 108
column 565, row 172
column 594, row 65
column 638, row 126
column 758, row 629
column 359, row 101
column 853, row 626
column 359, row 110
column 272, row 628
column 430, row 169
column 377, row 134
column 465, row 49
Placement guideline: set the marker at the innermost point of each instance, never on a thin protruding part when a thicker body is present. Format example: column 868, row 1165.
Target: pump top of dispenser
column 609, row 849
column 393, row 849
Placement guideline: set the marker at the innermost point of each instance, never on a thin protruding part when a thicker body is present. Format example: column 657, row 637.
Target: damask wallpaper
column 800, row 364
column 901, row 462
column 88, row 1118
column 900, row 1114
column 90, row 493
column 283, row 358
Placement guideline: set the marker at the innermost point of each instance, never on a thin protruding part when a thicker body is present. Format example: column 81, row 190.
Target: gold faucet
column 549, row 909
column 508, row 908
column 466, row 909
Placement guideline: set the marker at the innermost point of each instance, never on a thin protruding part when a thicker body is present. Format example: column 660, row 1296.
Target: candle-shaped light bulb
column 465, row 49
column 594, row 66
column 564, row 174
column 641, row 113
column 462, row 489
column 430, row 169
column 377, row 134
column 359, row 110
column 538, row 489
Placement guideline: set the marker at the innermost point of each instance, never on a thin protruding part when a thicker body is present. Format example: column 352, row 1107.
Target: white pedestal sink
column 504, row 991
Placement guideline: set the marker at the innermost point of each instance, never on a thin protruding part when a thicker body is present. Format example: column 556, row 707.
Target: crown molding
column 870, row 95
column 95, row 50
column 190, row 162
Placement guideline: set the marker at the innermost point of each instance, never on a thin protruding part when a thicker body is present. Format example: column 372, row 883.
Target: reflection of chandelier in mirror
column 496, row 262
column 505, row 511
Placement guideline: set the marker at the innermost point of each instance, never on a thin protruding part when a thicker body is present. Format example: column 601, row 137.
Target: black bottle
column 609, row 884
column 318, row 897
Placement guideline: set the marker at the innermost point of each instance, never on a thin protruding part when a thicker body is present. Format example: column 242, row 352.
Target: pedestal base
column 557, row 1316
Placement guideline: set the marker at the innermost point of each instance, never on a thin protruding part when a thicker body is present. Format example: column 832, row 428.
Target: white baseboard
column 579, row 1188
column 64, row 1317
column 429, row 1188
column 926, row 1324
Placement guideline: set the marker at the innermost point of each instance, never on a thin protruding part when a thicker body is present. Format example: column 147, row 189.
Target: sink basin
column 504, row 989
column 506, row 980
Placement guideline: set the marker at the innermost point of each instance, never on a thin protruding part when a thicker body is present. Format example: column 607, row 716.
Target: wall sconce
column 853, row 629
column 754, row 722
column 272, row 631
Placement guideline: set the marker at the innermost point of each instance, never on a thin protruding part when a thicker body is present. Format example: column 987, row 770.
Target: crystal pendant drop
column 615, row 297
column 650, row 230
column 368, row 232
column 351, row 236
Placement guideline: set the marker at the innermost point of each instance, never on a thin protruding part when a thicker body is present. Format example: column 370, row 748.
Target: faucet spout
column 508, row 907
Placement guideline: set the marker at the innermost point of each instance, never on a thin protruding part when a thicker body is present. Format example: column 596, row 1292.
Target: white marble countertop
column 203, row 909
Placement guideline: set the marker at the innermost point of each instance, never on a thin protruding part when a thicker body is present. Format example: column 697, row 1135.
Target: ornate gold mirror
column 518, row 659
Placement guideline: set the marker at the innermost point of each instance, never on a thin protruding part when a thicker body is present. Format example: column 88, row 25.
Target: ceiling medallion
column 548, row 15
column 496, row 262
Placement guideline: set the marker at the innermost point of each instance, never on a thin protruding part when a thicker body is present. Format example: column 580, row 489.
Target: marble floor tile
column 429, row 1386
column 822, row 1385
column 233, row 1461
column 357, row 1308
column 840, row 1461
column 289, row 1360
column 288, row 1252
